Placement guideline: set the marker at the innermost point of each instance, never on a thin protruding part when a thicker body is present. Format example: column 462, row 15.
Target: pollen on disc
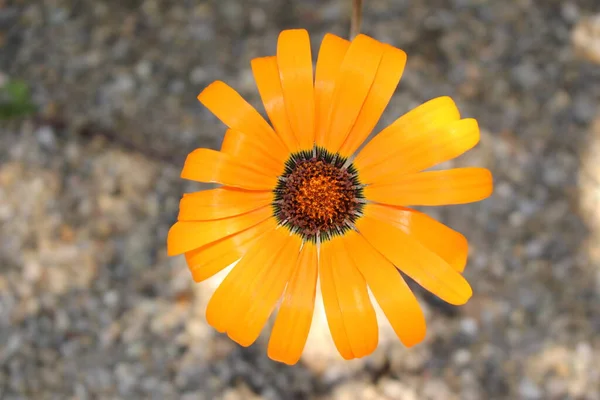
column 318, row 195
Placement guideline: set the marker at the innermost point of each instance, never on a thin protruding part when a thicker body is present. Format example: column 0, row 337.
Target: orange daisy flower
column 295, row 205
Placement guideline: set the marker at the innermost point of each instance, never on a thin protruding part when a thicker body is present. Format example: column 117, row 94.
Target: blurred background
column 98, row 110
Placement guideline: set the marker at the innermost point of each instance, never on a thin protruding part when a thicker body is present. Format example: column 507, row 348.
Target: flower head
column 296, row 204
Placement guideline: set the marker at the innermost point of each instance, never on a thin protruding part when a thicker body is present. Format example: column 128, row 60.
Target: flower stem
column 356, row 18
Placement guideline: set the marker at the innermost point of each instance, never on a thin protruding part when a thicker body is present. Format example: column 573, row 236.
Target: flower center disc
column 318, row 195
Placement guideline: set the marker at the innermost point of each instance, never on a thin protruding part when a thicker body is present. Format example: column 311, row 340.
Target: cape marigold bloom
column 293, row 205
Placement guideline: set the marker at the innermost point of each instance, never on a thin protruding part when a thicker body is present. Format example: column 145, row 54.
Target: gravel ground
column 91, row 307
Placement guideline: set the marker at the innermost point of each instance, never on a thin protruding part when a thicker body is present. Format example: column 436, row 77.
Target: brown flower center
column 318, row 195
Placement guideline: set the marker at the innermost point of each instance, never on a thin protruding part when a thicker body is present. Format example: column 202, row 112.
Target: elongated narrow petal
column 185, row 236
column 386, row 80
column 358, row 314
column 430, row 148
column 331, row 303
column 429, row 116
column 207, row 260
column 294, row 318
column 247, row 150
column 264, row 293
column 266, row 75
column 434, row 188
column 331, row 54
column 352, row 86
column 221, row 203
column 415, row 260
column 230, row 299
column 206, row 165
column 389, row 289
column 235, row 112
column 296, row 73
column 437, row 237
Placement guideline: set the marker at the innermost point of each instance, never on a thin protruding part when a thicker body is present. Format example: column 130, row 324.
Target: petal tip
column 444, row 102
column 464, row 297
column 293, row 31
column 209, row 88
column 399, row 52
column 196, row 276
column 417, row 334
column 413, row 341
column 280, row 356
column 362, row 36
column 291, row 34
column 489, row 182
column 370, row 348
column 172, row 248
column 241, row 340
column 331, row 36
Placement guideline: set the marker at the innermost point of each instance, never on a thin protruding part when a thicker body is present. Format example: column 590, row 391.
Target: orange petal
column 266, row 75
column 331, row 54
column 429, row 116
column 292, row 325
column 230, row 299
column 331, row 303
column 358, row 314
column 434, row 188
column 261, row 296
column 235, row 112
column 386, row 80
column 415, row 260
column 356, row 75
column 206, row 165
column 437, row 237
column 296, row 74
column 248, row 150
column 212, row 258
column 220, row 203
column 389, row 288
column 424, row 151
column 185, row 236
